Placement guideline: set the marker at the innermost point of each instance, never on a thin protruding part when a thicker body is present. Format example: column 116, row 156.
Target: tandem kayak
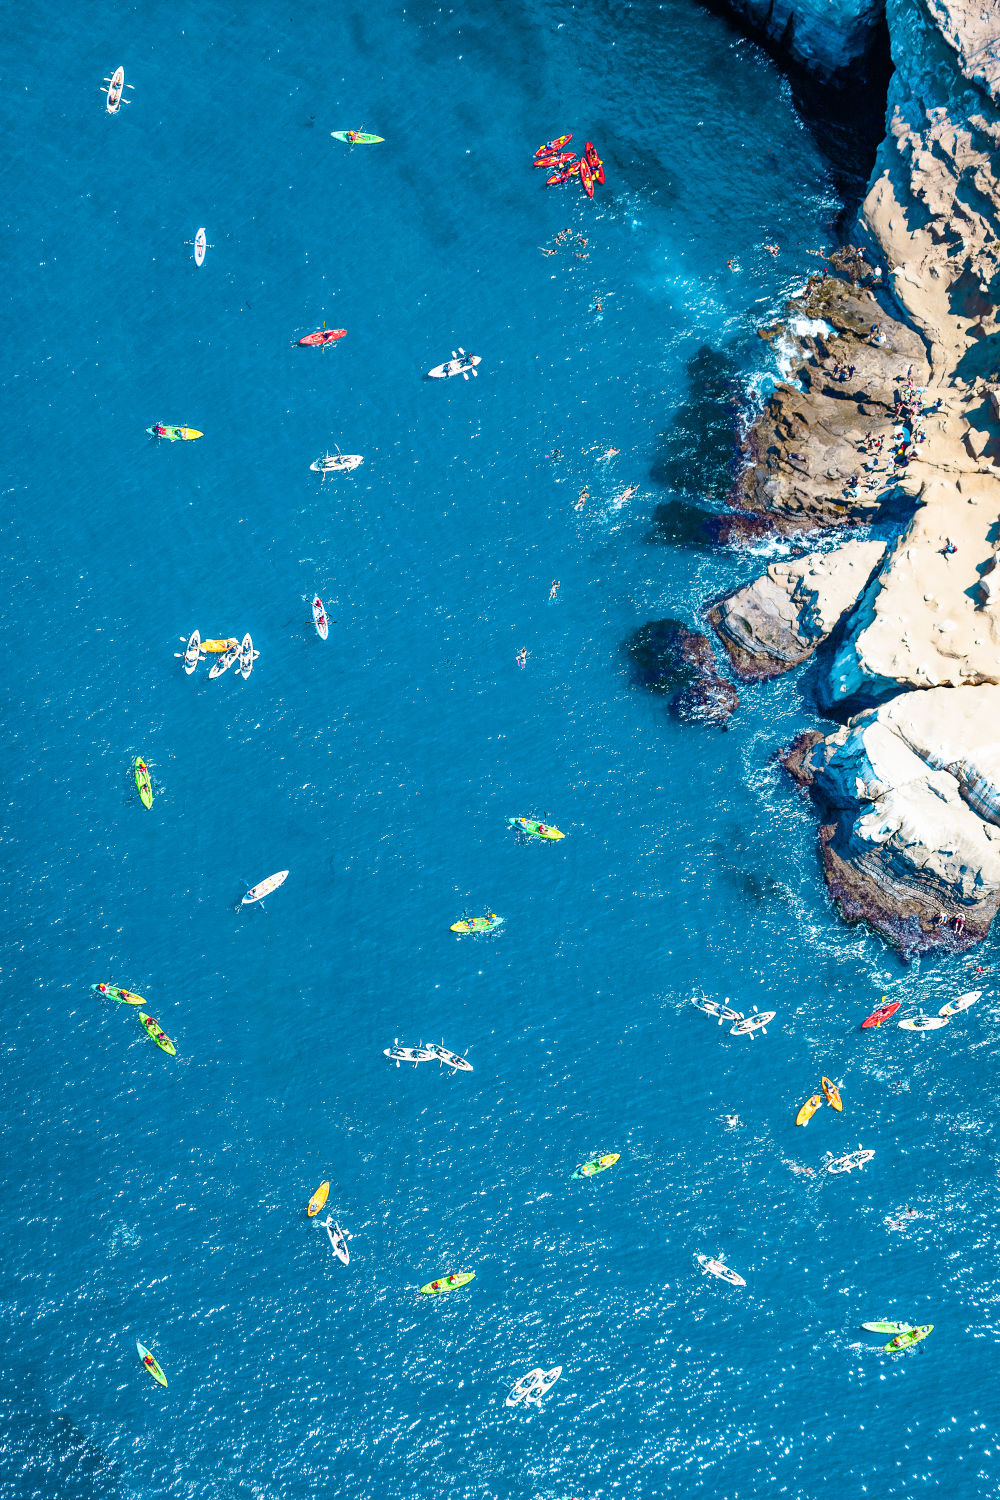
column 317, row 1200
column 587, row 178
column 714, row 1267
column 336, row 463
column 338, row 1239
column 831, row 1093
column 323, row 336
column 200, row 246
column 808, row 1109
column 159, row 1037
column 749, row 1025
column 477, row 924
column 887, row 1327
column 400, row 1054
column 113, row 98
column 453, row 1060
column 556, row 145
column 356, row 137
column 923, row 1023
column 247, row 656
column 593, row 161
column 258, row 892
column 142, row 781
column 192, row 652
column 554, row 159
column 599, row 1164
column 113, row 992
column 538, row 830
column 174, row 434
column 908, row 1339
column 228, row 659
column 460, row 364
column 150, row 1363
column 564, row 175
column 882, row 1014
column 319, row 618
column 448, row 1283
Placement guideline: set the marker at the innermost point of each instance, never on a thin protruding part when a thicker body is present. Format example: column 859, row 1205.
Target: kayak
column 174, row 434
column 150, row 1363
column 356, row 137
column 448, row 1283
column 336, row 463
column 847, row 1163
column 338, row 1239
column 409, row 1054
column 924, row 1023
column 554, row 159
column 477, row 924
column 522, row 1387
column 228, row 659
column 831, row 1093
column 564, row 175
column 759, row 1021
column 599, row 1164
column 450, row 1059
column 192, row 652
column 323, row 336
column 542, row 1387
column 908, row 1339
column 808, row 1109
column 710, row 1007
column 319, row 618
column 556, row 145
column 317, row 1200
column 960, row 1003
column 200, row 246
column 258, row 892
column 593, row 161
column 460, row 364
column 159, row 1037
column 716, row 1268
column 247, row 654
column 587, row 178
column 882, row 1014
column 219, row 645
column 887, row 1327
column 539, row 830
column 113, row 992
column 116, row 84
column 142, row 781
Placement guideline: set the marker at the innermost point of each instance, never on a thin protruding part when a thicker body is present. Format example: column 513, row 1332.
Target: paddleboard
column 192, row 652
column 114, row 95
column 161, row 1040
column 356, row 137
column 142, row 781
column 538, row 830
column 960, row 1003
column 599, row 1164
column 319, row 618
column 114, row 992
column 150, row 1363
column 750, row 1024
column 923, row 1023
column 477, row 924
column 831, row 1093
column 882, row 1014
column 247, row 655
column 716, row 1268
column 808, row 1109
column 317, row 1200
column 228, row 659
column 556, row 145
column 258, row 892
column 448, row 1283
column 200, row 246
column 587, row 178
column 887, row 1327
column 908, row 1339
column 322, row 336
column 460, row 364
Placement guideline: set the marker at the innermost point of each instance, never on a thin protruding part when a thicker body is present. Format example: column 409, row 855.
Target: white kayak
column 522, row 1387
column 710, row 1007
column 319, row 618
column 192, row 652
column 338, row 1239
column 450, row 1059
column 414, row 1055
column 258, row 892
column 200, row 246
column 460, row 364
column 960, row 1003
column 336, row 463
column 247, row 656
column 116, row 90
column 228, row 659
column 749, row 1025
column 714, row 1267
column 924, row 1023
column 847, row 1163
column 541, row 1387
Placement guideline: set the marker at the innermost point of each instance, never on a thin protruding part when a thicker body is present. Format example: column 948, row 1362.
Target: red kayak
column 559, row 159
column 324, row 336
column 556, row 145
column 882, row 1014
column 594, row 161
column 563, row 176
column 587, row 178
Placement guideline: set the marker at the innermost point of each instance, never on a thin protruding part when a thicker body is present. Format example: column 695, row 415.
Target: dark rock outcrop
column 669, row 657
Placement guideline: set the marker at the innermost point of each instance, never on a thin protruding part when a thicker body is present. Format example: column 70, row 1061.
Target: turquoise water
column 161, row 1199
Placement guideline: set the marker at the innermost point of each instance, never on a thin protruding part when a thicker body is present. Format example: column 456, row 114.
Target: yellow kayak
column 808, row 1109
column 536, row 829
column 318, row 1198
column 220, row 646
column 831, row 1093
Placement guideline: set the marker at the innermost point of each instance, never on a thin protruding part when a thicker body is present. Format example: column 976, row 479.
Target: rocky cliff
column 891, row 412
column 825, row 36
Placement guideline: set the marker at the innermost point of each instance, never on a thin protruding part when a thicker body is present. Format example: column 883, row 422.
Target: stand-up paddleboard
column 808, row 1109
column 247, row 654
column 159, row 1036
column 258, row 892
column 541, row 1388
column 400, row 1054
column 888, row 1327
column 831, row 1093
column 713, row 1267
column 115, row 96
column 357, row 137
column 882, row 1014
column 142, row 781
column 150, row 1363
column 477, row 924
column 908, row 1339
column 322, row 337
column 317, row 1200
column 524, row 1385
column 587, row 178
column 597, row 1164
column 192, row 652
column 594, row 162
column 556, row 145
column 174, row 434
column 336, row 463
column 114, row 992
column 460, row 364
column 448, row 1283
column 750, row 1025
column 450, row 1059
column 219, row 644
column 923, row 1023
column 319, row 618
column 228, row 659
column 960, row 1003
column 338, row 1239
column 536, row 829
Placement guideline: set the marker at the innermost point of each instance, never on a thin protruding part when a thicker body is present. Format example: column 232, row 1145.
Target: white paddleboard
column 924, row 1023
column 960, row 1003
column 258, row 892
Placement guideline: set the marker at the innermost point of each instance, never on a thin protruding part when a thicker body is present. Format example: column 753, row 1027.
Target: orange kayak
column 318, row 1198
column 831, row 1093
column 808, row 1109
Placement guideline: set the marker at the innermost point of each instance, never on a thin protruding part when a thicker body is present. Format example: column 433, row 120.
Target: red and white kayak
column 556, row 145
column 258, row 892
column 593, row 161
column 557, row 159
column 323, row 336
column 564, row 175
column 587, row 178
column 319, row 619
column 882, row 1014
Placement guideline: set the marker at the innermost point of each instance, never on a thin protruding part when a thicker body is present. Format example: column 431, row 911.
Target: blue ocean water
column 160, row 1199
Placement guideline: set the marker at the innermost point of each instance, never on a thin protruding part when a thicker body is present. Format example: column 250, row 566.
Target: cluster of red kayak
column 563, row 164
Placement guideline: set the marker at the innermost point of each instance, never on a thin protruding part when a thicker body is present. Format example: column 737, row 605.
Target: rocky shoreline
column 890, row 414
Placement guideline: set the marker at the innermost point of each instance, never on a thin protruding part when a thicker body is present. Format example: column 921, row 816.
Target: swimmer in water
column 733, row 1121
column 522, row 657
column 773, row 249
column 584, row 497
column 554, row 588
column 801, row 1171
column 633, row 489
column 610, row 453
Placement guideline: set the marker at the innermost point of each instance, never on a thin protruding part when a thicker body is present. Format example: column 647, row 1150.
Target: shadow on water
column 47, row 1454
column 697, row 452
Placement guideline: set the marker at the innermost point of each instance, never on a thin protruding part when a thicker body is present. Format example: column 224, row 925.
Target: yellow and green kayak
column 536, row 829
column 159, row 1037
column 599, row 1164
column 114, row 992
column 357, row 137
column 448, row 1283
column 477, row 924
column 142, row 781
column 150, row 1363
column 174, row 434
column 907, row 1340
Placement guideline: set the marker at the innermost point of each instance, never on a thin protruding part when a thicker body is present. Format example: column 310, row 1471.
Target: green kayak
column 887, row 1327
column 448, row 1283
column 159, row 1037
column 599, row 1164
column 142, row 781
column 477, row 924
column 536, row 829
column 908, row 1339
column 115, row 992
column 150, row 1363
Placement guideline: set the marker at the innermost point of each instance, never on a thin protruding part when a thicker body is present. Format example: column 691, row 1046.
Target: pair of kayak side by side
column 151, row 1027
column 830, row 1092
